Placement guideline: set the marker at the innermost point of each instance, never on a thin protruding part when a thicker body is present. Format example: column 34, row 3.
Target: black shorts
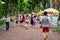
column 31, row 22
column 20, row 21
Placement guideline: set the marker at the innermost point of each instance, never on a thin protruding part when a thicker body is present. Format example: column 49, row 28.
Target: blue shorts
column 16, row 22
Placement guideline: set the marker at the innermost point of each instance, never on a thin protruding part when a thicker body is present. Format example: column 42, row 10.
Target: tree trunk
column 18, row 5
column 6, row 4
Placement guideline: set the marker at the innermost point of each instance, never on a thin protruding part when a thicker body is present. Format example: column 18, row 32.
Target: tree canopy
column 25, row 6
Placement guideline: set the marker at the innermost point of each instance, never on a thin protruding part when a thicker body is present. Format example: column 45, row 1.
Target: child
column 23, row 20
column 45, row 26
column 34, row 21
column 26, row 22
column 17, row 19
column 20, row 20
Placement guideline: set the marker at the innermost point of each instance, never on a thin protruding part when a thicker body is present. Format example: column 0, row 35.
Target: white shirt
column 40, row 18
column 7, row 19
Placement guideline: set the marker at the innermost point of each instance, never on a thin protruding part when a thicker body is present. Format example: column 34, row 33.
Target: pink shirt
column 34, row 19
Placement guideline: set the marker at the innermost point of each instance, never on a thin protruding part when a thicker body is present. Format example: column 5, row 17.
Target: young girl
column 23, row 20
column 34, row 21
column 26, row 22
column 17, row 19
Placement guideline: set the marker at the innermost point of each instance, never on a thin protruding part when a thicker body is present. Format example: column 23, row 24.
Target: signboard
column 54, row 20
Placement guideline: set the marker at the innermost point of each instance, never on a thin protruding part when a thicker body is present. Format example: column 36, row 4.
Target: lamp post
column 51, row 3
column 51, row 14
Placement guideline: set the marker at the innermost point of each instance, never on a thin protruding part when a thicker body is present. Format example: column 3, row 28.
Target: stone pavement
column 20, row 33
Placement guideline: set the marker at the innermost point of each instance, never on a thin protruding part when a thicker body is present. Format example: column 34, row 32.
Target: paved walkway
column 20, row 33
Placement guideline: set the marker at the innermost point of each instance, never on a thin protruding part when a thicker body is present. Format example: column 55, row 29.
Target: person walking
column 26, row 21
column 7, row 21
column 45, row 25
column 17, row 20
column 31, row 22
column 23, row 20
column 34, row 21
column 20, row 20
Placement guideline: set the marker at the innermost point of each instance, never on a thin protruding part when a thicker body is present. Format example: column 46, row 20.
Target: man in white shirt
column 7, row 20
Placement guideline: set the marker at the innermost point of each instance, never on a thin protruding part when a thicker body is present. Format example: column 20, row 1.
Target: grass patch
column 57, row 30
column 1, row 22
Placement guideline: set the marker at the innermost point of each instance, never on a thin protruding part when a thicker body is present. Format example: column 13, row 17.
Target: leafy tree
column 26, row 6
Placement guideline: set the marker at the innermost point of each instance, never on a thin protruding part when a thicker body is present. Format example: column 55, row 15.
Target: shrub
column 12, row 19
column 1, row 22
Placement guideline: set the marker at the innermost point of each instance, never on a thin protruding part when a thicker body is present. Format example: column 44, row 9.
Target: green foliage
column 41, row 6
column 23, row 5
column 1, row 22
column 58, row 1
column 35, row 10
column 0, row 7
column 18, row 3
